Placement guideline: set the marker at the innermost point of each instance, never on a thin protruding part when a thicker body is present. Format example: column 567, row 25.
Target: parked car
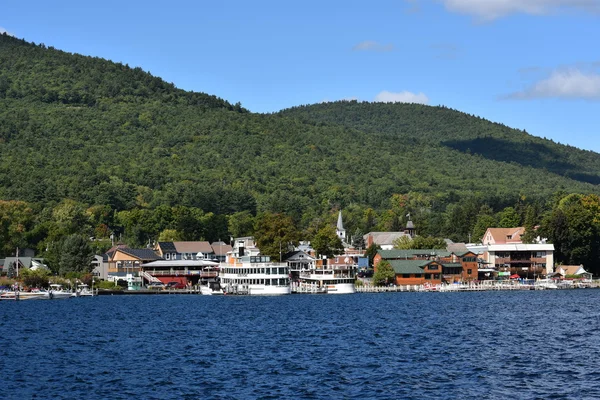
column 175, row 285
column 156, row 285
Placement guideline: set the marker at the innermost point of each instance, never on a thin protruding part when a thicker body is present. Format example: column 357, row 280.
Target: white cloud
column 488, row 10
column 369, row 45
column 571, row 83
column 401, row 97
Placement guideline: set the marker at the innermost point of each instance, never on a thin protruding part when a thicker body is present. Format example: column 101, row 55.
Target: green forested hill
column 104, row 134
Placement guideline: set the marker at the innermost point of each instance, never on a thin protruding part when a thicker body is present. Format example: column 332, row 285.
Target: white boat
column 83, row 290
column 57, row 292
column 34, row 295
column 330, row 279
column 211, row 289
column 255, row 275
column 542, row 284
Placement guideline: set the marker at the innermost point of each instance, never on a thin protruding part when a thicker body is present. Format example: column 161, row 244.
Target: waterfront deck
column 474, row 287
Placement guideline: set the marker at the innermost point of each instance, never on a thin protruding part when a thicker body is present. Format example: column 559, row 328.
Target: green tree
column 509, row 218
column 358, row 240
column 371, row 252
column 169, row 235
column 35, row 279
column 326, row 242
column 384, row 273
column 76, row 255
column 274, row 234
column 485, row 220
column 419, row 242
column 530, row 225
column 241, row 224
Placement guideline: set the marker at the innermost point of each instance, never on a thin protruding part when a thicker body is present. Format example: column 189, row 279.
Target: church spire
column 341, row 232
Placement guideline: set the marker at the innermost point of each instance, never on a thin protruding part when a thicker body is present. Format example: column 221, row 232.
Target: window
column 406, row 275
column 168, row 256
column 436, row 276
column 427, row 276
column 432, row 267
column 469, row 271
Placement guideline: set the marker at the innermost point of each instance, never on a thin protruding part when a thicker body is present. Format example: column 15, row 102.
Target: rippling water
column 495, row 345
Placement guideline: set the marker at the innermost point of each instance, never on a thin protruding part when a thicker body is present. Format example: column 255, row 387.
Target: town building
column 506, row 253
column 434, row 266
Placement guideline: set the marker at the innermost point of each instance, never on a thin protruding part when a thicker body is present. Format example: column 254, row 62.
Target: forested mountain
column 85, row 133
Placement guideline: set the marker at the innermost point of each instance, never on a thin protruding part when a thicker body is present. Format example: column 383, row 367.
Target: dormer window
column 168, row 256
column 509, row 237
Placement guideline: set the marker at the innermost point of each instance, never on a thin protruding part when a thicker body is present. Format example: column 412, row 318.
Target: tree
column 169, row 235
column 403, row 243
column 76, row 255
column 509, row 218
column 530, row 225
column 37, row 278
column 273, row 234
column 358, row 241
column 326, row 242
column 384, row 273
column 241, row 224
column 419, row 242
column 12, row 270
column 371, row 252
column 485, row 219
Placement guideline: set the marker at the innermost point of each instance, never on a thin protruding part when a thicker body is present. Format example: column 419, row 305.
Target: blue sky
column 530, row 64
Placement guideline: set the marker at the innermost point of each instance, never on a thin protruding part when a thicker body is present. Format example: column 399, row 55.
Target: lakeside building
column 198, row 250
column 184, row 272
column 386, row 240
column 506, row 253
column 433, row 266
column 125, row 264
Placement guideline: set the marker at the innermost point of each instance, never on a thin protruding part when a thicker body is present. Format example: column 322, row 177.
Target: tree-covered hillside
column 92, row 147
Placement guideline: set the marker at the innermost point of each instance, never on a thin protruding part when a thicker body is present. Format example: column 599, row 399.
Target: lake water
column 494, row 345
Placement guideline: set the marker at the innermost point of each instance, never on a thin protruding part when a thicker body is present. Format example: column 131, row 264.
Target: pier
column 477, row 287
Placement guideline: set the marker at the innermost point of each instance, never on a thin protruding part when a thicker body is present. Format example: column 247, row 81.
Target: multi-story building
column 507, row 254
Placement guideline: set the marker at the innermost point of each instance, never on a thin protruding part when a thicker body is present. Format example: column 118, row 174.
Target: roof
column 112, row 250
column 193, row 247
column 340, row 224
column 221, row 248
column 180, row 263
column 409, row 266
column 520, row 247
column 385, row 238
column 408, row 254
column 501, row 235
column 167, row 247
column 457, row 248
column 142, row 254
column 297, row 255
column 573, row 269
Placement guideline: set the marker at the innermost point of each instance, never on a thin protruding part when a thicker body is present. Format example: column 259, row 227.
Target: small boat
column 542, row 284
column 83, row 291
column 213, row 288
column 57, row 292
column 16, row 295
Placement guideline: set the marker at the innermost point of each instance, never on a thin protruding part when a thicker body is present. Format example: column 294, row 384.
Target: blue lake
column 494, row 345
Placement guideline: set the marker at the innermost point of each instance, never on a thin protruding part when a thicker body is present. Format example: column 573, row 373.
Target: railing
column 149, row 277
column 204, row 274
column 474, row 287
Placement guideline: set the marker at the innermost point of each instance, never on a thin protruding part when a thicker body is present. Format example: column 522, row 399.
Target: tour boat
column 332, row 278
column 255, row 275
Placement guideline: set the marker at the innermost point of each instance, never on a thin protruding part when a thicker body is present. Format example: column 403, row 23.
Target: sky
column 529, row 64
